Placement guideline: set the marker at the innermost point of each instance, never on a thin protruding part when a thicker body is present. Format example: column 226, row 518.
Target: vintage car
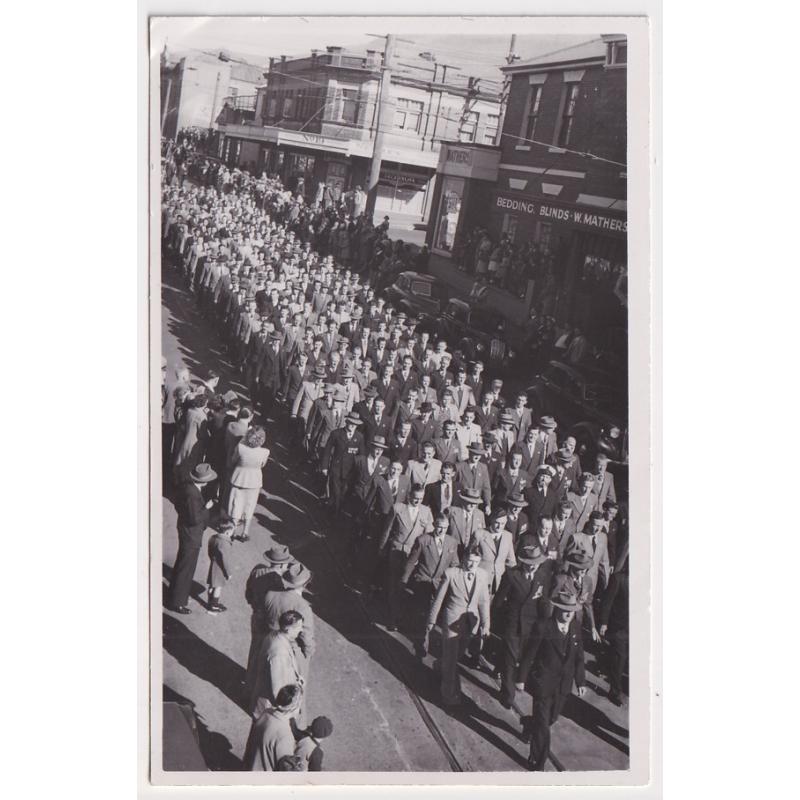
column 478, row 332
column 416, row 293
column 590, row 404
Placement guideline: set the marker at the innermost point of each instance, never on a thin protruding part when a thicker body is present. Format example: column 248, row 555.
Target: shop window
column 288, row 105
column 490, row 132
column 408, row 114
column 569, row 101
column 544, row 232
column 533, row 112
column 469, row 127
column 272, row 107
column 510, row 226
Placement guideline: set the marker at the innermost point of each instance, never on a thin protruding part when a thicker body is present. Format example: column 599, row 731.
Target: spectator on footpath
column 271, row 738
column 220, row 566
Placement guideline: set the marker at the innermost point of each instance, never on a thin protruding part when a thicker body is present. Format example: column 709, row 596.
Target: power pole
column 473, row 88
column 383, row 101
column 510, row 59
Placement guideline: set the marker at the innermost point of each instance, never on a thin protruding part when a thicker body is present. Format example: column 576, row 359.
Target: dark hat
column 488, row 436
column 566, row 602
column 531, row 556
column 370, row 391
column 296, row 576
column 275, row 337
column 477, row 448
column 379, row 441
column 564, row 457
column 579, row 558
column 546, row 468
column 278, row 554
column 318, row 371
column 548, row 423
column 507, row 416
column 470, row 496
column 321, row 727
column 517, row 500
column 353, row 418
column 202, row 473
column 426, row 406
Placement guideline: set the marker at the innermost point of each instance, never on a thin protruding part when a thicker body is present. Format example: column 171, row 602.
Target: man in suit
column 552, row 661
column 522, row 415
column 440, row 496
column 405, row 378
column 447, row 446
column 563, row 525
column 463, row 599
column 379, row 422
column 486, row 414
column 366, row 472
column 510, row 478
column 467, row 520
column 408, row 408
column 330, row 339
column 518, row 601
column 193, row 519
column 387, row 389
column 474, row 474
column 352, row 329
column 271, row 374
column 593, row 541
column 409, row 521
column 603, row 485
column 542, row 499
column 561, row 481
column 517, row 522
column 431, row 555
column 493, row 457
column 403, row 448
column 254, row 355
column 423, row 427
column 506, row 435
column 344, row 445
column 462, row 391
column 584, row 502
column 566, row 456
column 428, row 470
column 468, row 432
column 398, row 485
column 497, row 549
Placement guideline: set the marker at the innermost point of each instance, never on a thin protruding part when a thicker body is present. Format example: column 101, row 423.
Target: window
column 490, row 132
column 469, row 126
column 510, row 226
column 421, row 288
column 408, row 114
column 544, row 231
column 232, row 91
column 272, row 106
column 533, row 111
column 567, row 114
column 350, row 106
column 300, row 106
column 288, row 105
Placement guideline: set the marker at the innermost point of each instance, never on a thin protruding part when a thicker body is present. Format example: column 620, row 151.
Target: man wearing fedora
column 517, row 521
column 593, row 540
column 463, row 600
column 431, row 555
column 310, row 390
column 271, row 374
column 466, row 519
column 263, row 578
column 289, row 597
column 551, row 663
column 404, row 526
column 474, row 474
column 545, row 443
column 518, row 602
column 575, row 580
column 338, row 460
column 510, row 478
column 193, row 519
column 568, row 459
column 543, row 499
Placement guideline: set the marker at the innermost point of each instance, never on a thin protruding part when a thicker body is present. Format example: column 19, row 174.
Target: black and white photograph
column 399, row 499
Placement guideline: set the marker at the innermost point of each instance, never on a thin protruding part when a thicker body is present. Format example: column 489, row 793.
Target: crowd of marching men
column 459, row 508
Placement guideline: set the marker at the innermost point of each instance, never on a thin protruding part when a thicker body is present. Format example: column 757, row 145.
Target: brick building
column 560, row 184
column 315, row 121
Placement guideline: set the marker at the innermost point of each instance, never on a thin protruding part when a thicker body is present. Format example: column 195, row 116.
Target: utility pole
column 473, row 88
column 383, row 111
column 510, row 59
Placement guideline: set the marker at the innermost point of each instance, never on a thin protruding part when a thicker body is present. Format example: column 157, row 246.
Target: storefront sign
column 457, row 156
column 404, row 180
column 548, row 211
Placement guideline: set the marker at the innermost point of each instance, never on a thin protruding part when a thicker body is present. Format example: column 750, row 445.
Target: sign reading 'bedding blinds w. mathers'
column 578, row 216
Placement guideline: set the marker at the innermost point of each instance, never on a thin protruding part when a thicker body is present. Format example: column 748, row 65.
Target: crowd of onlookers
column 457, row 505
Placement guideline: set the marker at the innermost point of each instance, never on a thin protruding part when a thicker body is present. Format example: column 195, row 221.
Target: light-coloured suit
column 464, row 607
column 418, row 472
column 596, row 547
column 496, row 556
column 462, row 529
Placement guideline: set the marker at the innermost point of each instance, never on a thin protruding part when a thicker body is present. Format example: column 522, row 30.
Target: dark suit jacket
column 383, row 428
column 403, row 452
column 390, row 394
column 480, row 479
column 504, row 484
column 448, row 450
column 340, row 453
column 364, row 484
column 424, row 562
column 521, row 600
column 351, row 330
column 433, row 496
column 540, row 505
column 273, row 368
column 192, row 513
column 553, row 661
column 487, row 421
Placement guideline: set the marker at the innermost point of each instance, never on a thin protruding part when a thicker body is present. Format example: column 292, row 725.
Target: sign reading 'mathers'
column 537, row 208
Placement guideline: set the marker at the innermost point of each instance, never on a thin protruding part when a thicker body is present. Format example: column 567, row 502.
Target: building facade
column 194, row 86
column 316, row 117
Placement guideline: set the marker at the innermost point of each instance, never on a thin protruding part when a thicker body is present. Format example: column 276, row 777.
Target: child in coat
column 220, row 550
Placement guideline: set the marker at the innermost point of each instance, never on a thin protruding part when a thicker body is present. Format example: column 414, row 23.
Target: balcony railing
column 245, row 102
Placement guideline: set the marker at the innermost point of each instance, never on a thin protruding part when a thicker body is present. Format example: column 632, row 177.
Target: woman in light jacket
column 246, row 462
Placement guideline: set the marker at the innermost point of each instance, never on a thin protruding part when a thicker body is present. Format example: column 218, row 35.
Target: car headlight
column 479, row 347
column 511, row 354
column 614, row 432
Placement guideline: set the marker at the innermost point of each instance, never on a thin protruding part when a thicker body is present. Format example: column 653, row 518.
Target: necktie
column 446, row 495
column 439, row 544
column 469, row 577
column 393, row 484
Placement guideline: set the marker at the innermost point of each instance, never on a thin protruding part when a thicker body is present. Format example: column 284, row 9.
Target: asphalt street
column 383, row 701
